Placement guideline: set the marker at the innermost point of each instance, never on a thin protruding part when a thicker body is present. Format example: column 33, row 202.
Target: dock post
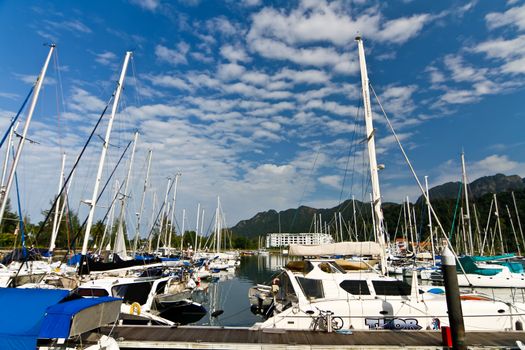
column 455, row 313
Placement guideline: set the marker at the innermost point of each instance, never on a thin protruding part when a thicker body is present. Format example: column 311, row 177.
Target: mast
column 173, row 209
column 56, row 224
column 164, row 205
column 218, row 227
column 498, row 223
column 513, row 230
column 34, row 100
column 467, row 214
column 139, row 214
column 376, row 193
column 120, row 244
column 182, row 231
column 517, row 216
column 355, row 221
column 430, row 222
column 93, row 201
column 341, row 225
column 152, row 220
column 197, row 228
column 6, row 160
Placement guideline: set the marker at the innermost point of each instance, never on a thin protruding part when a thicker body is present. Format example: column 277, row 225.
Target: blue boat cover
column 74, row 260
column 23, row 311
column 57, row 321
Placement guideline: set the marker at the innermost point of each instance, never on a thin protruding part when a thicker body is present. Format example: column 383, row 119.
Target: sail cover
column 333, row 249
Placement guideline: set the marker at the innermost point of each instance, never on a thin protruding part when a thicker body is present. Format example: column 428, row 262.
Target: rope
column 13, row 121
column 419, row 183
column 455, row 211
column 41, row 227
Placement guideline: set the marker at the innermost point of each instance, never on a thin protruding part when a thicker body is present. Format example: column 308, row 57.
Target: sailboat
column 319, row 289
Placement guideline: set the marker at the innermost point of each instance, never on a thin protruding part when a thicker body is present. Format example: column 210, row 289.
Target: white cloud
column 168, row 81
column 230, row 71
column 234, row 53
column 321, row 21
column 83, row 101
column 331, row 180
column 514, row 16
column 150, row 5
column 174, row 57
column 511, row 51
column 106, row 58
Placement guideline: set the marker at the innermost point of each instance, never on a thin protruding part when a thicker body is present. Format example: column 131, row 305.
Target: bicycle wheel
column 337, row 323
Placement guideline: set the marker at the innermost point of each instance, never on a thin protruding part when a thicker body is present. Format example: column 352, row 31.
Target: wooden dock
column 192, row 337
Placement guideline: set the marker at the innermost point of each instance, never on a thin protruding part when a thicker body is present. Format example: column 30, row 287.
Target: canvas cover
column 24, row 311
column 336, row 249
column 78, row 316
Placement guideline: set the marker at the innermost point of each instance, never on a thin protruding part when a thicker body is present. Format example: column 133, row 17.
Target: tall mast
column 6, row 159
column 218, row 227
column 376, row 193
column 139, row 215
column 109, row 223
column 152, row 221
column 164, row 205
column 341, row 225
column 173, row 209
column 197, row 228
column 202, row 229
column 355, row 221
column 120, row 244
column 93, row 202
column 430, row 222
column 39, row 82
column 56, row 224
column 498, row 224
column 467, row 214
column 517, row 216
column 182, row 231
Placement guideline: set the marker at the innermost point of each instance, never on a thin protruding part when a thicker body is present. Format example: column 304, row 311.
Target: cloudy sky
column 259, row 101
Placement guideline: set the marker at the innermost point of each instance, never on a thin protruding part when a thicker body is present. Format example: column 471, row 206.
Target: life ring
column 135, row 309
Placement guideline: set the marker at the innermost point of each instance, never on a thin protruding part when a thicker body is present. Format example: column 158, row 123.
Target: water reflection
column 230, row 292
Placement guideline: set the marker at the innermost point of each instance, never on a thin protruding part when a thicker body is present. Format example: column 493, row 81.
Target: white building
column 285, row 239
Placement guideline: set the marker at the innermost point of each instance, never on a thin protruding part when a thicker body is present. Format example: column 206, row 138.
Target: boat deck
column 191, row 337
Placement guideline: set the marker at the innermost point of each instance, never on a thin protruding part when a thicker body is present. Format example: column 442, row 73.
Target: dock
column 193, row 337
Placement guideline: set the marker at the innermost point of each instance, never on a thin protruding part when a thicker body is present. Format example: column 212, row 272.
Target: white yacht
column 368, row 300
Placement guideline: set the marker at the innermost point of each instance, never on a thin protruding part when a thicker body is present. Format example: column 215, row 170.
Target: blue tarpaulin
column 57, row 321
column 23, row 311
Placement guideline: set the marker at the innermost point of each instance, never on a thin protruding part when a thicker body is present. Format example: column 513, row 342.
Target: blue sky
column 256, row 101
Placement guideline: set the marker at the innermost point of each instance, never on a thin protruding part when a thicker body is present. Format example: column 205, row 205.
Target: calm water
column 230, row 293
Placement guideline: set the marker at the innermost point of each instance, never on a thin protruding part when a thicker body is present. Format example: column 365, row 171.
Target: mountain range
column 443, row 197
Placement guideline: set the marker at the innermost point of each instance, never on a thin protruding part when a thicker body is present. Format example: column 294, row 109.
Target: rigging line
column 419, row 183
column 160, row 211
column 304, row 189
column 13, row 121
column 60, row 134
column 348, row 157
column 104, row 189
column 79, row 157
column 21, row 224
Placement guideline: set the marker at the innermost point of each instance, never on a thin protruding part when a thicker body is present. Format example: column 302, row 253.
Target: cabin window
column 313, row 289
column 133, row 292
column 337, row 268
column 391, row 288
column 92, row 292
column 160, row 287
column 286, row 290
column 355, row 287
